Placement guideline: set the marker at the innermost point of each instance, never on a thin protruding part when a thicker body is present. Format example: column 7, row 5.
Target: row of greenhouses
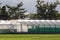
column 30, row 26
column 41, row 26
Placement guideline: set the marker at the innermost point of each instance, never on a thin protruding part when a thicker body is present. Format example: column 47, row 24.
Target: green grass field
column 29, row 36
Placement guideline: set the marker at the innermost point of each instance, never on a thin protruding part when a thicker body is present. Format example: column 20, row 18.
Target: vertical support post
column 49, row 27
column 21, row 28
column 44, row 29
column 55, row 28
column 27, row 27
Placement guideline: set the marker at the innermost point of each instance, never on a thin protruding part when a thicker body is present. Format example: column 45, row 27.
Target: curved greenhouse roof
column 40, row 22
column 4, row 22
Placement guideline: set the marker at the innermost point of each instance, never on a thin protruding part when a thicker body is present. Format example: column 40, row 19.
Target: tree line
column 45, row 11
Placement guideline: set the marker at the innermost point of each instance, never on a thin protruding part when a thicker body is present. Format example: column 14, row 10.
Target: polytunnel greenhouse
column 7, row 27
column 40, row 26
column 30, row 26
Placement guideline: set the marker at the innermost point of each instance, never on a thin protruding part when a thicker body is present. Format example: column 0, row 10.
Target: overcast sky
column 29, row 5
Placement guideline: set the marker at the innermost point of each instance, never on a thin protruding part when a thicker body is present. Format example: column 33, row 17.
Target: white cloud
column 29, row 5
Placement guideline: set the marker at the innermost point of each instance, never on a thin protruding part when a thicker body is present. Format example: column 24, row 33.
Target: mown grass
column 29, row 36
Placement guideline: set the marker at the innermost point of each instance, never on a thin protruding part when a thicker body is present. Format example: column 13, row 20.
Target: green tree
column 46, row 11
column 16, row 12
column 3, row 13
